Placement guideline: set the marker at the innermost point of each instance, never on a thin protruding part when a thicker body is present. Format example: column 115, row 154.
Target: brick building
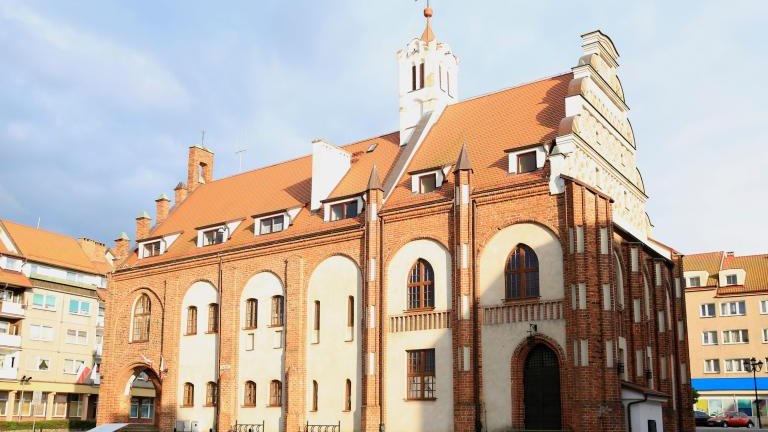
column 489, row 264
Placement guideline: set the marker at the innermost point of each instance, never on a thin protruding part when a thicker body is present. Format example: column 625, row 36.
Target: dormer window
column 694, row 282
column 151, row 249
column 214, row 236
column 272, row 224
column 526, row 162
column 344, row 210
column 730, row 279
column 427, row 183
column 526, row 159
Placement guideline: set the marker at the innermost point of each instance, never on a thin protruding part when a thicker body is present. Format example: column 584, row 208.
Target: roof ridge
column 513, row 87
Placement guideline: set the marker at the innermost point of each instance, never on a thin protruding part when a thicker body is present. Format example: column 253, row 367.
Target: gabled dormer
column 210, row 235
column 426, row 181
column 156, row 246
column 526, row 159
column 273, row 222
column 343, row 208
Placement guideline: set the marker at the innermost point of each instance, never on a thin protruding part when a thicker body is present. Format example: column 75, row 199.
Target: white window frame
column 80, row 304
column 712, row 366
column 725, row 309
column 79, row 337
column 71, row 366
column 144, row 248
column 706, row 337
column 730, row 362
column 327, row 208
column 57, row 402
column 763, row 307
column 512, row 155
column 257, row 227
column 41, row 330
column 45, row 301
column 38, row 360
column 416, row 180
column 691, row 284
column 702, row 310
column 735, row 336
column 228, row 227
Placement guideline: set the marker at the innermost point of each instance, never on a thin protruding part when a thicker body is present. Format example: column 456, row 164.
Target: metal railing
column 323, row 428
column 247, row 427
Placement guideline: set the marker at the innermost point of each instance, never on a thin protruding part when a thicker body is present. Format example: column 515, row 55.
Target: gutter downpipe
column 216, row 407
column 629, row 410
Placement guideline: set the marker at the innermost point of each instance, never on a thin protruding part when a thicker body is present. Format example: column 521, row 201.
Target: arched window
column 314, row 395
column 251, row 313
column 350, row 311
column 277, row 311
column 275, row 393
column 250, row 394
column 348, row 396
column 413, row 77
column 421, row 290
column 141, row 319
column 210, row 394
column 189, row 395
column 522, row 273
column 421, row 75
column 192, row 320
column 213, row 318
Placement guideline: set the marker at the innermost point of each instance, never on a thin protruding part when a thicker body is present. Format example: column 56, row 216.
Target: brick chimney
column 122, row 246
column 162, row 207
column 180, row 193
column 96, row 251
column 199, row 167
column 729, row 254
column 143, row 222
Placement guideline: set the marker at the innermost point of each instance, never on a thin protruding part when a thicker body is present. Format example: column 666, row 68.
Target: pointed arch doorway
column 143, row 391
column 541, row 384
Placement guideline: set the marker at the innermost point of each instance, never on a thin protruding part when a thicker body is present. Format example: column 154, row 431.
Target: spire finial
column 428, row 35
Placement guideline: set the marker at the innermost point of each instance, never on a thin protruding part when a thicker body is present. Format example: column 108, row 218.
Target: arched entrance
column 143, row 391
column 541, row 383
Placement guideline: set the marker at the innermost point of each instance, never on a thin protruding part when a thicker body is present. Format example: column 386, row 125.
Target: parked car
column 732, row 419
column 701, row 418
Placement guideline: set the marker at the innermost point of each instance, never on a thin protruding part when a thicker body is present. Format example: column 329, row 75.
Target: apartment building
column 488, row 264
column 726, row 298
column 51, row 323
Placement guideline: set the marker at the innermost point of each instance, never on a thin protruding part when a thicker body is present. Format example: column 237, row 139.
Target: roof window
column 526, row 159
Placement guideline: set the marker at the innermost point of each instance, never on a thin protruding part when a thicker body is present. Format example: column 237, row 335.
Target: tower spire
column 428, row 35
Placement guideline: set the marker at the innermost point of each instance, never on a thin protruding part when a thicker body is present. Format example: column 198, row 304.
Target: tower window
column 413, row 77
column 421, row 75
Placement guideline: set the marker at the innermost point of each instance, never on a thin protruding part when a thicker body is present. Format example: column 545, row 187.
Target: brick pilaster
column 294, row 386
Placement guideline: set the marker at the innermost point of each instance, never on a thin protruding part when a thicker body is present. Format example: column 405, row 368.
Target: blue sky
column 101, row 99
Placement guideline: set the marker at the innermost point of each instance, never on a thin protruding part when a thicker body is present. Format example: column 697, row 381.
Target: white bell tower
column 428, row 79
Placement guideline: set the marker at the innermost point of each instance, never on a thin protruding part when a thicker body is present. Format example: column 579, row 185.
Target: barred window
column 250, row 394
column 251, row 313
column 421, row 374
column 191, row 320
column 277, row 311
column 213, row 318
column 275, row 393
column 421, row 289
column 189, row 395
column 141, row 319
column 522, row 273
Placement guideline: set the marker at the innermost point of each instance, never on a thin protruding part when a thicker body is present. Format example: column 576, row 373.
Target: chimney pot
column 122, row 246
column 162, row 208
column 143, row 222
column 180, row 193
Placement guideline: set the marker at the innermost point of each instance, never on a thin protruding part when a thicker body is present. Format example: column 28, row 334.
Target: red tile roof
column 708, row 262
column 755, row 267
column 14, row 278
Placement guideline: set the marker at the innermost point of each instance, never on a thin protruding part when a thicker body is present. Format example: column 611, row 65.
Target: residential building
column 51, row 323
column 727, row 301
column 488, row 264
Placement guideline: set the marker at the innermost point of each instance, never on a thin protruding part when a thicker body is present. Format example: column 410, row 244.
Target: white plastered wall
column 196, row 355
column 500, row 341
column 334, row 358
column 263, row 363
column 404, row 415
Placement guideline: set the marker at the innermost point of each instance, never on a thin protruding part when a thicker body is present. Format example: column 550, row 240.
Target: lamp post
column 753, row 365
column 22, row 381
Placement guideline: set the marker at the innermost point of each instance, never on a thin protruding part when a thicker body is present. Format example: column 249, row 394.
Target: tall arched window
column 348, row 396
column 277, row 311
column 421, row 75
column 251, row 313
column 275, row 393
column 210, row 394
column 421, row 289
column 213, row 318
column 522, row 273
column 413, row 77
column 189, row 395
column 141, row 319
column 314, row 395
column 250, row 394
column 192, row 320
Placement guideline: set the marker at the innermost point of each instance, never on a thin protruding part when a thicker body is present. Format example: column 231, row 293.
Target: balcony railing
column 237, row 427
column 12, row 309
column 413, row 321
column 522, row 312
column 10, row 340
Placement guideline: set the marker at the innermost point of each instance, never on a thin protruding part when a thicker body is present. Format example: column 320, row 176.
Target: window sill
column 190, row 334
column 276, row 326
column 346, row 410
column 211, row 332
column 274, row 406
column 517, row 300
column 182, row 406
column 250, row 328
column 417, row 310
column 139, row 341
column 248, row 406
column 209, row 405
column 420, row 400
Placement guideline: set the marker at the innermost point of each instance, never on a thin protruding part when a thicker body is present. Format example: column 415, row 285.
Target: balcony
column 98, row 350
column 9, row 340
column 8, row 373
column 12, row 310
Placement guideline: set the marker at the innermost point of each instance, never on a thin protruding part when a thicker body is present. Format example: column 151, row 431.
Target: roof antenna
column 202, row 139
column 239, row 153
column 38, row 222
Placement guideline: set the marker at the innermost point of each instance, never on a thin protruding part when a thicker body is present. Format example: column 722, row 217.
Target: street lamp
column 22, row 381
column 753, row 365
